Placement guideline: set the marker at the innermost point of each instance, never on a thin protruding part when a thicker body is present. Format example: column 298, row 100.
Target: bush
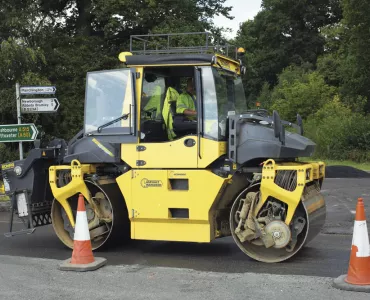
column 339, row 133
column 6, row 153
column 300, row 91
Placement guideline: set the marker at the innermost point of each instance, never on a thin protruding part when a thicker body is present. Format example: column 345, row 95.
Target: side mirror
column 300, row 124
column 279, row 129
column 277, row 123
column 282, row 135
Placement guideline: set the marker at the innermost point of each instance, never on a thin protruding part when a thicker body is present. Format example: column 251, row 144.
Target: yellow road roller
column 169, row 151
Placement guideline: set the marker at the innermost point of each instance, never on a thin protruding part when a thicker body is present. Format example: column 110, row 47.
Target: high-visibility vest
column 171, row 96
column 185, row 101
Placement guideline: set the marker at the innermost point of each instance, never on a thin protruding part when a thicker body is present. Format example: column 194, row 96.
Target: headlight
column 18, row 170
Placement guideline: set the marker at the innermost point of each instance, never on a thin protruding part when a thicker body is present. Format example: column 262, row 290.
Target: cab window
column 161, row 89
column 222, row 93
column 108, row 96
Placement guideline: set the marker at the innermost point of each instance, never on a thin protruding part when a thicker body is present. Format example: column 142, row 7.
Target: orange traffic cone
column 82, row 256
column 358, row 276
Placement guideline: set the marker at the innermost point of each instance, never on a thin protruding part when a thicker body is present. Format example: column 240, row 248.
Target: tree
column 300, row 91
column 284, row 32
column 356, row 65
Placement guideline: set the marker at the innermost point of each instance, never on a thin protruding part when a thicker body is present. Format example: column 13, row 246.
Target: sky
column 242, row 10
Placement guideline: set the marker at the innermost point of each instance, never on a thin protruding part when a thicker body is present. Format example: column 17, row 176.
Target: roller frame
column 77, row 185
column 312, row 203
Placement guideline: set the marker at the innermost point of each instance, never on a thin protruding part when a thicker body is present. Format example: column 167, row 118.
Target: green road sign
column 18, row 133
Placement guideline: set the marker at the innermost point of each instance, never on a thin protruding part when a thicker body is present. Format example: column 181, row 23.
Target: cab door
column 166, row 187
column 182, row 152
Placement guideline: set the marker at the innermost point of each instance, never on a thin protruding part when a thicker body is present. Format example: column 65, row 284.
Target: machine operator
column 186, row 103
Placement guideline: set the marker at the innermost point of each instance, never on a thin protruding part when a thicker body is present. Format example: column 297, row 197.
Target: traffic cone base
column 359, row 270
column 358, row 276
column 68, row 266
column 82, row 256
column 340, row 283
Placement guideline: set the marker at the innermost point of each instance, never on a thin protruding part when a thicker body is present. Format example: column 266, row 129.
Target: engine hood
column 256, row 137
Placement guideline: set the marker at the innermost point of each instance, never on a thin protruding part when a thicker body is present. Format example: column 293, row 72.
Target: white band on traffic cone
column 361, row 239
column 81, row 229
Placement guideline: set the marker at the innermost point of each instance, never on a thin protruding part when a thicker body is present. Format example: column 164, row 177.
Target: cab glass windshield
column 222, row 92
column 108, row 97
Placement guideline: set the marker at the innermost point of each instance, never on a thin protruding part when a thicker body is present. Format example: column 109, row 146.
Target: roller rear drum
column 108, row 226
column 266, row 237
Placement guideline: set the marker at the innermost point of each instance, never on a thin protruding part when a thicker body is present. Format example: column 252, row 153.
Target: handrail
column 165, row 46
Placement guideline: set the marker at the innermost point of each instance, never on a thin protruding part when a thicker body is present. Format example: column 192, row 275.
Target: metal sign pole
column 19, row 117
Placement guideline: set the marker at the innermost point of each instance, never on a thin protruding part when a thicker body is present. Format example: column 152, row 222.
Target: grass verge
column 3, row 198
column 362, row 166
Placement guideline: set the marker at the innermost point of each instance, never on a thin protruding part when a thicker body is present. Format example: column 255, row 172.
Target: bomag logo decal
column 7, row 166
column 146, row 183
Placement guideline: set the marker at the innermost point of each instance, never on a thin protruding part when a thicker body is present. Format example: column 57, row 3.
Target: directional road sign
column 40, row 105
column 18, row 133
column 32, row 90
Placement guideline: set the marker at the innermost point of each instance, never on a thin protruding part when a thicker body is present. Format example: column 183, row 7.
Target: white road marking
column 345, row 204
column 353, row 212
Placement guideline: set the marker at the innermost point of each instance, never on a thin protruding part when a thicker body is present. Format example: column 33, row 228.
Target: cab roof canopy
column 170, row 59
column 167, row 49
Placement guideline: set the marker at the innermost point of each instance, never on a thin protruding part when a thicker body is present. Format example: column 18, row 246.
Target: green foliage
column 312, row 58
column 299, row 91
column 356, row 19
column 265, row 98
column 284, row 32
column 339, row 133
column 6, row 155
column 329, row 67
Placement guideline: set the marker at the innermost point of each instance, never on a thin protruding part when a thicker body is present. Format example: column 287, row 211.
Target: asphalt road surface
column 326, row 256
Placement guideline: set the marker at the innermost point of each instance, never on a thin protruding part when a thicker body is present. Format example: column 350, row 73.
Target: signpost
column 18, row 133
column 37, row 90
column 39, row 105
column 28, row 132
column 19, row 117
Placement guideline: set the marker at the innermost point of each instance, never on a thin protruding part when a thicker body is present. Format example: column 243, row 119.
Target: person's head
column 190, row 85
column 170, row 82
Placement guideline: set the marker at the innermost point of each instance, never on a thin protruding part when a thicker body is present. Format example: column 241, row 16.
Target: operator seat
column 153, row 125
column 176, row 124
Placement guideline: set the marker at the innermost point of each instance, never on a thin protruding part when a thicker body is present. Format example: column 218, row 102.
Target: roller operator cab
column 169, row 151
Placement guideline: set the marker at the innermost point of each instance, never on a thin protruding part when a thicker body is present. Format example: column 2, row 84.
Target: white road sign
column 40, row 105
column 32, row 90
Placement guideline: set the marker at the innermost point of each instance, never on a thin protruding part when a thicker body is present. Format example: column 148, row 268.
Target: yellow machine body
column 181, row 204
